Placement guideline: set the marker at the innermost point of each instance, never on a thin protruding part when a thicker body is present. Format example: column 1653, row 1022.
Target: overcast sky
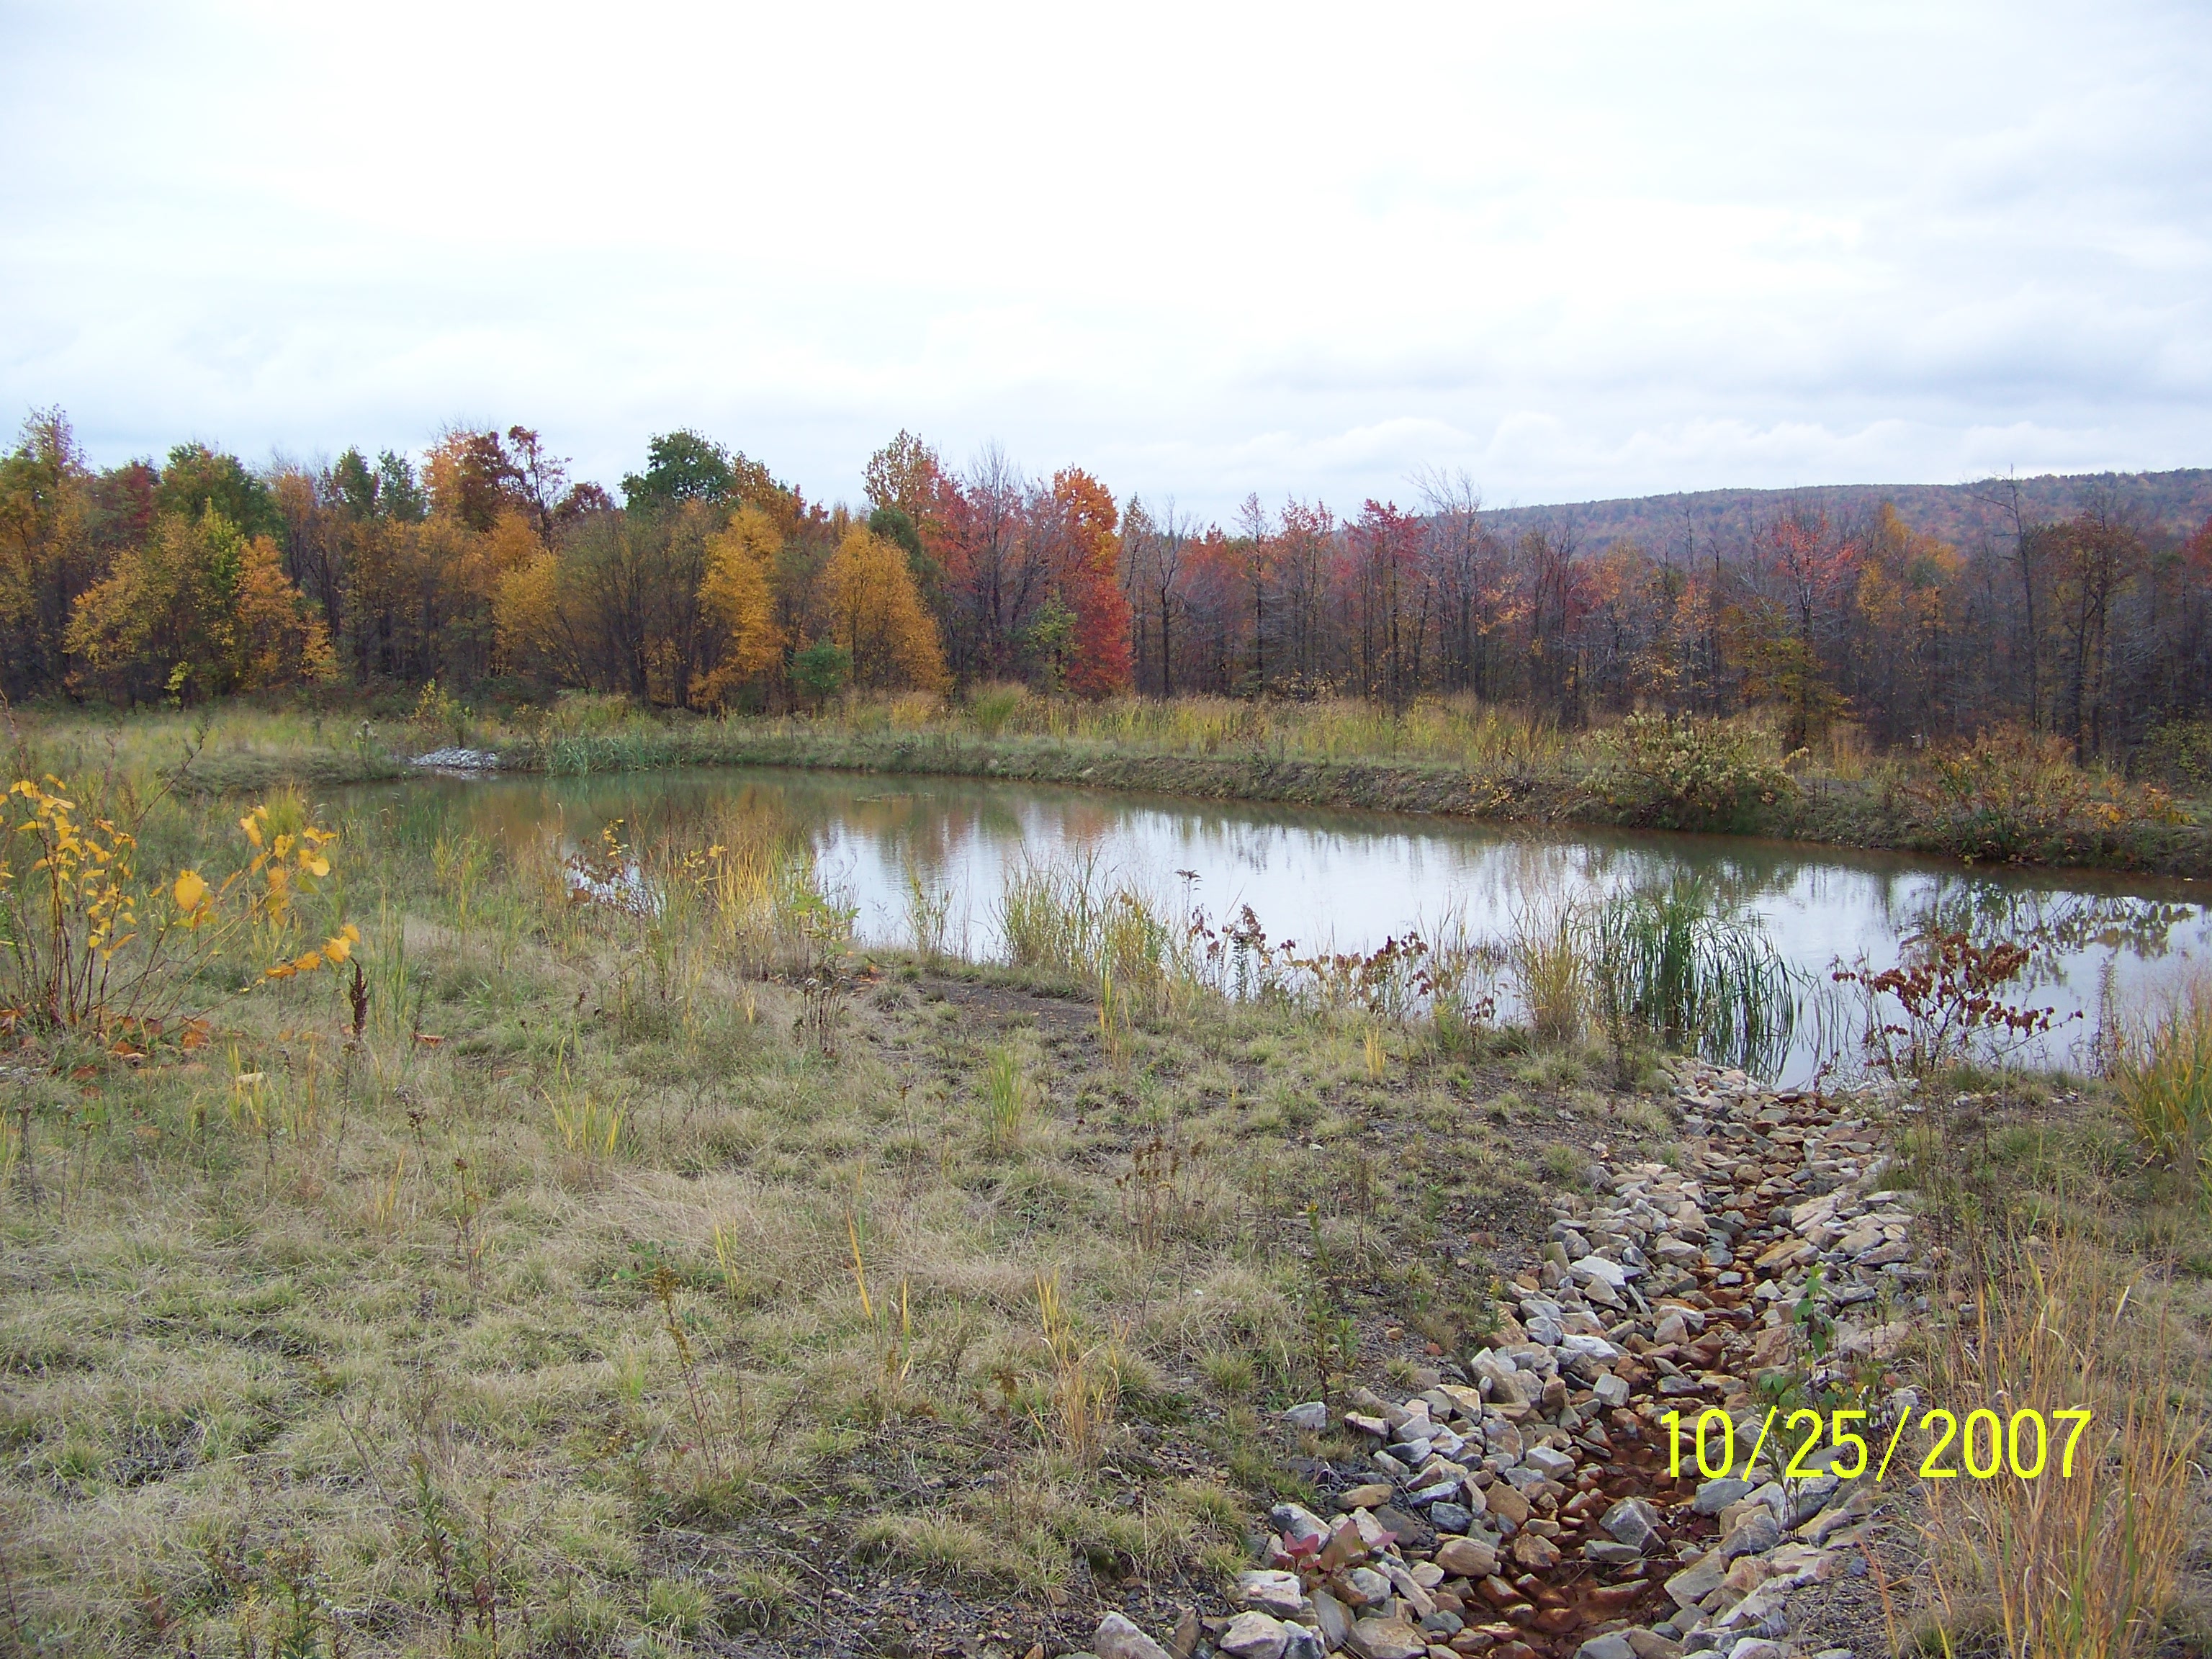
column 1576, row 252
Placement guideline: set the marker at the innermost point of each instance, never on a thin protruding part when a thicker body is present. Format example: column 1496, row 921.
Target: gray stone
column 1754, row 1535
column 1811, row 1497
column 1118, row 1638
column 1757, row 1647
column 1608, row 1554
column 1590, row 1347
column 1300, row 1642
column 1595, row 1269
column 1450, row 1517
column 1387, row 1639
column 1296, row 1521
column 1612, row 1390
column 1332, row 1618
column 1697, row 1580
column 1549, row 1461
column 1252, row 1636
column 1313, row 1416
column 1276, row 1593
column 1632, row 1522
column 1715, row 1496
column 1605, row 1647
column 1369, row 1585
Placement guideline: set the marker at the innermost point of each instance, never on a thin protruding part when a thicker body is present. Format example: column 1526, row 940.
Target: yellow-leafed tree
column 877, row 615
column 738, row 605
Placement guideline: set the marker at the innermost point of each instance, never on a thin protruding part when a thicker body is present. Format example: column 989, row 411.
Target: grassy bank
column 618, row 1279
column 2005, row 800
column 595, row 1276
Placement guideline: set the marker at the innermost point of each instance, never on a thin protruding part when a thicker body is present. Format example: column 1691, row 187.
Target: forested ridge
column 2077, row 607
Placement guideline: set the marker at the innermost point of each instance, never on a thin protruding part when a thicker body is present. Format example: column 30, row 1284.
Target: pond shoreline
column 1828, row 812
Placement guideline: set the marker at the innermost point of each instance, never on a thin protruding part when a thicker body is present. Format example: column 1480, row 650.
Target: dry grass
column 2083, row 1564
column 584, row 1253
column 2162, row 1064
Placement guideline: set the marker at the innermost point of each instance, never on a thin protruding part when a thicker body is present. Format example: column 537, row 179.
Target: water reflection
column 1345, row 881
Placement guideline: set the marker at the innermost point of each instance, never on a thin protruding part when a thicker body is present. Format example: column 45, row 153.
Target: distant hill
column 2167, row 504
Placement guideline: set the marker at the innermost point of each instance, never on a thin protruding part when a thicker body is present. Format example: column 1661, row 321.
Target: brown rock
column 1535, row 1553
column 1507, row 1503
column 1607, row 1600
column 1467, row 1557
column 1363, row 1498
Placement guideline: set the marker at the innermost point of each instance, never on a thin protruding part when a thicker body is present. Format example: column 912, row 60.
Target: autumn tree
column 1086, row 558
column 876, row 615
column 735, row 596
column 201, row 611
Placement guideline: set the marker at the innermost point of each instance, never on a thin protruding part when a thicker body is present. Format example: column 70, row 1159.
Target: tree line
column 710, row 584
column 2095, row 627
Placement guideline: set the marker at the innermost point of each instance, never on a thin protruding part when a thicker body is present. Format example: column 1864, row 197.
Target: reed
column 1673, row 967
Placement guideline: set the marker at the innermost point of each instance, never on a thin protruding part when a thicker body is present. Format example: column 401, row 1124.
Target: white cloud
column 1204, row 250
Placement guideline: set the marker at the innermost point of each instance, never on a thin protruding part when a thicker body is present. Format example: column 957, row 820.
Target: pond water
column 1346, row 881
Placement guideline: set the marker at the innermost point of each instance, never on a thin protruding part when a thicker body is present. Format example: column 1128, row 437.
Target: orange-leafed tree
column 1089, row 585
column 876, row 618
column 200, row 610
column 737, row 602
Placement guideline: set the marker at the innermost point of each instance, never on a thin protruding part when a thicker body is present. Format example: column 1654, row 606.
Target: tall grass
column 2060, row 1567
column 1672, row 966
column 2162, row 1067
column 1547, row 958
column 1072, row 918
column 1007, row 1090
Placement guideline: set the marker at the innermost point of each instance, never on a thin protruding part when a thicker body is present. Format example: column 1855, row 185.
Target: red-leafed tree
column 1085, row 520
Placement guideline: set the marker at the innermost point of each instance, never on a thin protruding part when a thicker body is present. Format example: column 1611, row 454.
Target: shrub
column 86, row 941
column 2016, row 797
column 2177, row 753
column 1659, row 772
column 1950, row 993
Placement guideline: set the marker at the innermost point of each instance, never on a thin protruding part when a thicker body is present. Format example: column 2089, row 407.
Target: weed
column 1084, row 1383
column 1007, row 1090
column 1547, row 966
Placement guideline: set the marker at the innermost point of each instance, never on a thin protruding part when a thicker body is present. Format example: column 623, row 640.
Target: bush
column 2017, row 798
column 1658, row 772
column 2177, row 754
column 88, row 942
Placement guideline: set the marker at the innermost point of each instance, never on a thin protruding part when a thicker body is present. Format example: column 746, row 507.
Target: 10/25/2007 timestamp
column 1981, row 1447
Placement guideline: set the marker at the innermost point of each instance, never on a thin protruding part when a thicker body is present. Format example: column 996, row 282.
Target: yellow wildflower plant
column 85, row 940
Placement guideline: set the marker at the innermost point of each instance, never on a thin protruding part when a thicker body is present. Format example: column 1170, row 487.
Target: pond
column 1348, row 881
